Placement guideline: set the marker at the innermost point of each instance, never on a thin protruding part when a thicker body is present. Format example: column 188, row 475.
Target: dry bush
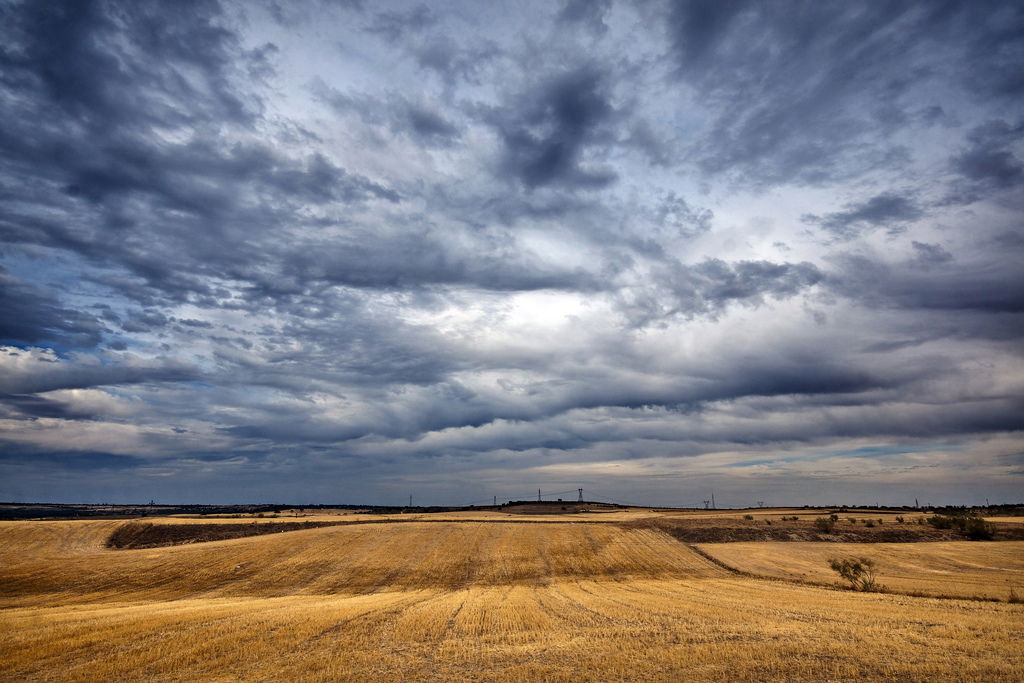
column 824, row 524
column 859, row 571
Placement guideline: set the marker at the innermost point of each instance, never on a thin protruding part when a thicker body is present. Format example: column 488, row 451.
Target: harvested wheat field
column 956, row 568
column 465, row 600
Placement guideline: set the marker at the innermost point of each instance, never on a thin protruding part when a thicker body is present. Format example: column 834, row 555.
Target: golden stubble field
column 483, row 598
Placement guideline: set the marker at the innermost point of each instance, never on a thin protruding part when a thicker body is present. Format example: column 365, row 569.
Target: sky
column 351, row 252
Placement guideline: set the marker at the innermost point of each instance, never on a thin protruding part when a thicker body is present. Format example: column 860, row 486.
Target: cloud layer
column 325, row 252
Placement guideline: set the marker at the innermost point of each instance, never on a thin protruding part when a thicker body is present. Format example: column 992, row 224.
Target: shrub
column 974, row 528
column 824, row 525
column 900, row 520
column 1014, row 598
column 834, row 518
column 859, row 571
column 853, row 520
column 868, row 523
column 977, row 529
column 748, row 516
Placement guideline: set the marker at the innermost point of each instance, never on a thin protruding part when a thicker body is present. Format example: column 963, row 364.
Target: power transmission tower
column 706, row 504
column 538, row 495
column 713, row 501
column 495, row 501
column 410, row 500
column 760, row 503
column 581, row 496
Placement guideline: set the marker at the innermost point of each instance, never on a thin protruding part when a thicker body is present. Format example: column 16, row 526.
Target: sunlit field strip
column 636, row 629
column 334, row 560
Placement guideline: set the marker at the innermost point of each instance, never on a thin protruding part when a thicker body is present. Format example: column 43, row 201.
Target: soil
column 719, row 530
column 148, row 535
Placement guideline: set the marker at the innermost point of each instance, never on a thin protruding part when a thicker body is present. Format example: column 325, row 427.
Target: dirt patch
column 135, row 535
column 148, row 535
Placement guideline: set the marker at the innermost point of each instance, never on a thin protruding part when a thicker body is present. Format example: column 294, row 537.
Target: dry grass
column 964, row 569
column 462, row 601
column 331, row 560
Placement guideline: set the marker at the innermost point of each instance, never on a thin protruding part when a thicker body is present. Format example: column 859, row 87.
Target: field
column 490, row 596
column 955, row 568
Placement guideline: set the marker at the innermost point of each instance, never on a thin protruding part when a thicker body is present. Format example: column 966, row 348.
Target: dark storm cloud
column 546, row 132
column 989, row 159
column 428, row 124
column 889, row 210
column 993, row 287
column 716, row 282
column 696, row 28
column 73, row 51
column 31, row 407
column 145, row 321
column 14, row 457
column 31, row 315
column 710, row 287
column 40, row 373
column 994, row 45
